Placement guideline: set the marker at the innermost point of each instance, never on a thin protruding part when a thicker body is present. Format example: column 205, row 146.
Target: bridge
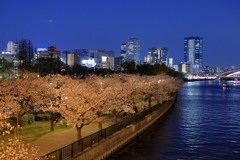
column 231, row 75
column 198, row 78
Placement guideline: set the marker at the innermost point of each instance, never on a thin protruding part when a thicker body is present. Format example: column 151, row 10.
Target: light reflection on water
column 204, row 124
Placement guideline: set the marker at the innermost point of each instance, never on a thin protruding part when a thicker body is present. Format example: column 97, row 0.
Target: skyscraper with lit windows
column 130, row 51
column 157, row 56
column 193, row 54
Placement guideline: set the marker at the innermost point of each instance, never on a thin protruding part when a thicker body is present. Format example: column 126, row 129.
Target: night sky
column 105, row 24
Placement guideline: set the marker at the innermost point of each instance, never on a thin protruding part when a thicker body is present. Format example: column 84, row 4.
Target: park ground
column 55, row 140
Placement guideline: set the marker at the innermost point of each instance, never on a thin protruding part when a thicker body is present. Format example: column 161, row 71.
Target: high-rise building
column 25, row 53
column 12, row 48
column 10, row 53
column 130, row 51
column 123, row 50
column 162, row 56
column 193, row 51
column 157, row 56
column 151, row 54
column 170, row 64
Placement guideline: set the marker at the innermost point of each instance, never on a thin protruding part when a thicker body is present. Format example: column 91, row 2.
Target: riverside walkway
column 55, row 140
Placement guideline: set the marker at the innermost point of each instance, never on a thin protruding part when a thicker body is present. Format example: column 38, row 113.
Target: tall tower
column 124, row 50
column 193, row 51
column 151, row 55
column 161, row 56
column 12, row 48
column 157, row 56
column 130, row 51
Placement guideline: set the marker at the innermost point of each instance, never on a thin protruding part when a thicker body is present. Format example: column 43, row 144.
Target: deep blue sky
column 104, row 24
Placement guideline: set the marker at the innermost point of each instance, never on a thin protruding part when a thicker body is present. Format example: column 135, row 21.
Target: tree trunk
column 100, row 125
column 16, row 133
column 79, row 131
column 149, row 102
column 52, row 125
column 52, row 122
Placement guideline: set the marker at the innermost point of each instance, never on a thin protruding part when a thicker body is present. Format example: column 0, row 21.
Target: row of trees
column 149, row 69
column 81, row 102
column 44, row 67
column 56, row 66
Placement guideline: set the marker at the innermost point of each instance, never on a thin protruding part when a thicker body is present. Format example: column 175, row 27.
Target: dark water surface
column 204, row 124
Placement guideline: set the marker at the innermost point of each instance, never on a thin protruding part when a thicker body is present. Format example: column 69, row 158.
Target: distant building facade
column 123, row 50
column 98, row 58
column 70, row 59
column 193, row 54
column 170, row 60
column 12, row 48
column 117, row 63
column 46, row 53
column 130, row 51
column 151, row 56
column 108, row 62
column 10, row 54
column 157, row 56
column 98, row 54
column 182, row 67
column 80, row 55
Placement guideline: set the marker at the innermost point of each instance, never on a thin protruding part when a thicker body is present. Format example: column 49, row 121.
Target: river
column 203, row 124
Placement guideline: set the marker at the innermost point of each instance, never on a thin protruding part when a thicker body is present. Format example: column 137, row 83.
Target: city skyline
column 105, row 25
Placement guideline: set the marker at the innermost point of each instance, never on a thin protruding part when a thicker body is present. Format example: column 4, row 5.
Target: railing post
column 99, row 132
column 105, row 135
column 60, row 156
column 82, row 146
column 91, row 141
column 72, row 150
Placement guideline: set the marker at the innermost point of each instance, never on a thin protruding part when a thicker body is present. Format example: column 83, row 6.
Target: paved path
column 55, row 140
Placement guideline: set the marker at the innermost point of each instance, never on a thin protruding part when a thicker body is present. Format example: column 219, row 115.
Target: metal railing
column 76, row 148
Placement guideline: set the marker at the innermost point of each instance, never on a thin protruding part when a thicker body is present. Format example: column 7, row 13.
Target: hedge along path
column 55, row 140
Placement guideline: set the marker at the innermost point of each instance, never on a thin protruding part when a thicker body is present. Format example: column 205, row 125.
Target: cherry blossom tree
column 51, row 98
column 121, row 95
column 19, row 96
column 78, row 107
column 102, row 88
column 13, row 148
column 5, row 126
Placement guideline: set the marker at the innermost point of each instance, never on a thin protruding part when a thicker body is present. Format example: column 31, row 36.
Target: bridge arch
column 234, row 74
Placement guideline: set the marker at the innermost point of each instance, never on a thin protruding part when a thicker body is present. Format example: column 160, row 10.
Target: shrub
column 31, row 118
column 27, row 119
column 43, row 117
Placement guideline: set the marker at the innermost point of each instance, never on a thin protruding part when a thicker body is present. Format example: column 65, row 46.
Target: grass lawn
column 38, row 128
column 31, row 132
